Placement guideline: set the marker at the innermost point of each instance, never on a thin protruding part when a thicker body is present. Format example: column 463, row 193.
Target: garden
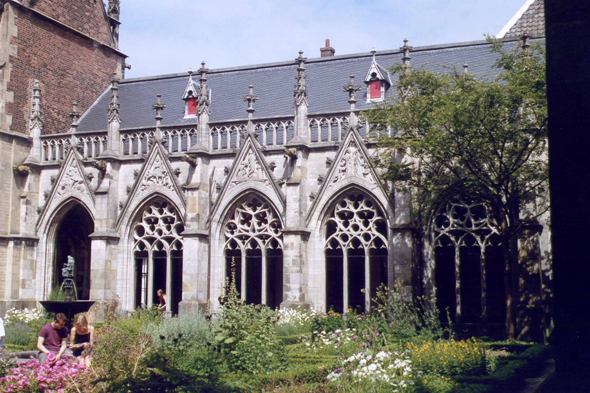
column 401, row 346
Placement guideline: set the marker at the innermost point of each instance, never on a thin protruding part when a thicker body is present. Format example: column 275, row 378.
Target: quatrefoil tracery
column 159, row 229
column 253, row 225
column 356, row 222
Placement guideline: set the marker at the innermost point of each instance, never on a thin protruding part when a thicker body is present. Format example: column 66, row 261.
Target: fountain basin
column 70, row 309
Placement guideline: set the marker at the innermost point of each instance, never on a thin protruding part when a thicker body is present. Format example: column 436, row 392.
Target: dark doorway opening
column 274, row 289
column 445, row 278
column 254, row 276
column 334, row 280
column 356, row 279
column 72, row 238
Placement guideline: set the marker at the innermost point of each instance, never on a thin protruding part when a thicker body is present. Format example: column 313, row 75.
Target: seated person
column 81, row 337
column 52, row 339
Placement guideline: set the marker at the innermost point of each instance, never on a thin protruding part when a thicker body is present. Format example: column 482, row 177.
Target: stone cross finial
column 158, row 107
column 114, row 109
column 75, row 116
column 250, row 98
column 36, row 111
column 300, row 92
column 203, row 98
column 406, row 51
column 525, row 39
column 351, row 89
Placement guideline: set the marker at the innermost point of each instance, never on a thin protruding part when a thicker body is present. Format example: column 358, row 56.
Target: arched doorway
column 469, row 264
column 157, row 250
column 356, row 253
column 72, row 238
column 254, row 251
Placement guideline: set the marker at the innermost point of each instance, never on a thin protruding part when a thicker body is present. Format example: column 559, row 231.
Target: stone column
column 195, row 269
column 295, row 234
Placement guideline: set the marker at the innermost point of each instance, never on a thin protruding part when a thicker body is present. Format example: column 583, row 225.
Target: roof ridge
column 318, row 60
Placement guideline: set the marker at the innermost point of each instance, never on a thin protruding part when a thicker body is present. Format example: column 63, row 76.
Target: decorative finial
column 114, row 109
column 190, row 72
column 525, row 39
column 36, row 111
column 351, row 89
column 465, row 68
column 74, row 114
column 114, row 9
column 203, row 98
column 158, row 107
column 373, row 51
column 300, row 91
column 250, row 98
column 406, row 51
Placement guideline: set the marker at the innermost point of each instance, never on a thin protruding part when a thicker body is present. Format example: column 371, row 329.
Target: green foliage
column 7, row 361
column 449, row 357
column 483, row 139
column 245, row 335
column 56, row 295
column 139, row 319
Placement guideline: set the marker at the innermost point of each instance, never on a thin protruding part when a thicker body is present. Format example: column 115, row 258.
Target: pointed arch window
column 254, row 251
column 469, row 263
column 157, row 249
column 356, row 252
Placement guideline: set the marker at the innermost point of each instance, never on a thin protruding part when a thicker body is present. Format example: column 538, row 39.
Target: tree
column 482, row 138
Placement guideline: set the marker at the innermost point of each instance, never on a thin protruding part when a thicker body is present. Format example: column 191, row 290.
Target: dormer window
column 378, row 81
column 375, row 90
column 191, row 106
column 190, row 97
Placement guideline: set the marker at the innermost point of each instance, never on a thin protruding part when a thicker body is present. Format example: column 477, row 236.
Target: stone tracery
column 253, row 247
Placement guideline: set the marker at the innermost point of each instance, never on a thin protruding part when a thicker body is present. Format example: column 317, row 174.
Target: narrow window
column 191, row 106
column 375, row 89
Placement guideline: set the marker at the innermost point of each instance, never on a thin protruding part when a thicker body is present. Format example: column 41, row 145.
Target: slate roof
column 274, row 83
column 531, row 22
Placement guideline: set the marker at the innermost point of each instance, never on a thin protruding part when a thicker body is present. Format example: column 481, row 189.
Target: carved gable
column 249, row 170
column 351, row 165
column 71, row 182
column 155, row 177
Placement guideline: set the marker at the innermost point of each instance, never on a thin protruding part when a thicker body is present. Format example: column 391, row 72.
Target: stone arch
column 155, row 249
column 66, row 231
column 468, row 267
column 224, row 247
column 355, row 234
column 317, row 259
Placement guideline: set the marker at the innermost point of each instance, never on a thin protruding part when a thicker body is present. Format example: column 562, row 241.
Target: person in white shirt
column 2, row 334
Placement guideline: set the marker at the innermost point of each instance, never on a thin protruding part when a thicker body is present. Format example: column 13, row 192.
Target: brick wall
column 86, row 16
column 68, row 66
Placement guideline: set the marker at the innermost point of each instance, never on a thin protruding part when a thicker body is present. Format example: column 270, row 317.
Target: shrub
column 26, row 316
column 179, row 333
column 449, row 357
column 22, row 328
column 245, row 336
column 139, row 319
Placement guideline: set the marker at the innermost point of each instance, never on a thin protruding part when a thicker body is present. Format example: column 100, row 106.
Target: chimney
column 328, row 51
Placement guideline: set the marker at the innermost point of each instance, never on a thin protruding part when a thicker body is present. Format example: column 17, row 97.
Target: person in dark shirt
column 81, row 337
column 52, row 339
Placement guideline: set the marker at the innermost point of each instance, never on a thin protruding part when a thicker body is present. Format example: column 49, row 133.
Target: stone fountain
column 70, row 306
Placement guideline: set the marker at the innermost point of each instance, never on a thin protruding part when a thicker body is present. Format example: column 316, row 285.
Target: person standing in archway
column 161, row 301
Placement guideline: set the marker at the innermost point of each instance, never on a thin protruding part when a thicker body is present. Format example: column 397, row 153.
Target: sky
column 171, row 36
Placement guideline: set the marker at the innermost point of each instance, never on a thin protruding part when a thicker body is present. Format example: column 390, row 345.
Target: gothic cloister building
column 174, row 182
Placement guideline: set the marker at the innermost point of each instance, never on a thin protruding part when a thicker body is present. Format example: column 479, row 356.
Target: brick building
column 239, row 171
column 69, row 51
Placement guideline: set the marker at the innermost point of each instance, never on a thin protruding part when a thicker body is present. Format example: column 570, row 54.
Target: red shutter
column 191, row 106
column 375, row 89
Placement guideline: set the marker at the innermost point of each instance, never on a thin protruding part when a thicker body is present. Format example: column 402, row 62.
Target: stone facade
column 273, row 186
column 69, row 50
